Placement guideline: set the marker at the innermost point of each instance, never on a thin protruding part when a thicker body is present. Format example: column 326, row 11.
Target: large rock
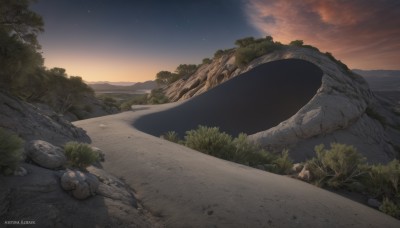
column 32, row 122
column 82, row 185
column 45, row 154
column 343, row 110
column 40, row 198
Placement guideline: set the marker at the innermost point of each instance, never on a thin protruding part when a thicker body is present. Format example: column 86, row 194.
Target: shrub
column 337, row 167
column 390, row 208
column 249, row 153
column 211, row 141
column 206, row 61
column 297, row 43
column 157, row 96
column 249, row 49
column 171, row 136
column 283, row 163
column 10, row 152
column 384, row 180
column 80, row 155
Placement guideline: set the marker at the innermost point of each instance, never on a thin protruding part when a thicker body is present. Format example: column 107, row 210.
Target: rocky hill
column 344, row 109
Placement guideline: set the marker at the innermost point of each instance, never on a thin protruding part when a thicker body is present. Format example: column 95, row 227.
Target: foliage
column 250, row 48
column 249, row 153
column 283, row 163
column 18, row 21
column 390, row 208
column 340, row 166
column 171, row 136
column 80, row 155
column 384, row 180
column 297, row 43
column 136, row 100
column 10, row 152
column 157, row 96
column 206, row 61
column 211, row 141
column 166, row 77
column 186, row 70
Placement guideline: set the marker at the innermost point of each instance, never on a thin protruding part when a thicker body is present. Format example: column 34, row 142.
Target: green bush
column 249, row 49
column 390, row 208
column 249, row 153
column 297, row 43
column 171, row 136
column 80, row 155
column 384, row 180
column 211, row 141
column 283, row 163
column 157, row 96
column 340, row 166
column 10, row 152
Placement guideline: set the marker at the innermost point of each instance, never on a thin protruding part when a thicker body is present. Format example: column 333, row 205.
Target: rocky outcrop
column 39, row 197
column 35, row 123
column 81, row 185
column 343, row 110
column 45, row 154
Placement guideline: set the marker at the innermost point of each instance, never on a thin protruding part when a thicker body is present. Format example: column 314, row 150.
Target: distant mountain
column 139, row 86
column 112, row 83
column 381, row 80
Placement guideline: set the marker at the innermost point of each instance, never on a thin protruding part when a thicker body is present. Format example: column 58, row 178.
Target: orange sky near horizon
column 132, row 41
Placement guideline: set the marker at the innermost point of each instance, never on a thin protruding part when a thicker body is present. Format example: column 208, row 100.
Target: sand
column 251, row 102
column 190, row 189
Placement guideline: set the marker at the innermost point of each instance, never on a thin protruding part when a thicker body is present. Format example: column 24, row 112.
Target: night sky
column 121, row 40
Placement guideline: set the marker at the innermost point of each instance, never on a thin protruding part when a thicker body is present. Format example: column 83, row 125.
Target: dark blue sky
column 132, row 40
column 96, row 38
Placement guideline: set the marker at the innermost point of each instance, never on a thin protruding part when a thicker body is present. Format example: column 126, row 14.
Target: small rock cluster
column 81, row 185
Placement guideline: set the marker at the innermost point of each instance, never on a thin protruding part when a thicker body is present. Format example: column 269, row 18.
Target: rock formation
column 343, row 109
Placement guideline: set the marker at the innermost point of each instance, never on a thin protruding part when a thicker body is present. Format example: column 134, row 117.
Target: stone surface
column 339, row 111
column 20, row 171
column 304, row 174
column 297, row 167
column 32, row 122
column 39, row 197
column 374, row 203
column 45, row 154
column 82, row 185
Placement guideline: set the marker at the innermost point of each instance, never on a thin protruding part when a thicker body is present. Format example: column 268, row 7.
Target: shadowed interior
column 251, row 102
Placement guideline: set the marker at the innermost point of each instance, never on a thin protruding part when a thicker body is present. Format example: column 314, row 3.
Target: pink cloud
column 363, row 34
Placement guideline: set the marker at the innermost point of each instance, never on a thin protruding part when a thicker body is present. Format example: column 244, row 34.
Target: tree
column 17, row 20
column 165, row 77
column 206, row 61
column 297, row 43
column 244, row 42
column 186, row 70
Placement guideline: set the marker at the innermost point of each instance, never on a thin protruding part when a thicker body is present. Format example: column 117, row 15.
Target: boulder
column 82, row 185
column 305, row 174
column 45, row 154
column 20, row 171
column 374, row 203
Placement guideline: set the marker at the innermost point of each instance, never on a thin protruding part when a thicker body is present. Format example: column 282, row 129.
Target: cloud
column 363, row 34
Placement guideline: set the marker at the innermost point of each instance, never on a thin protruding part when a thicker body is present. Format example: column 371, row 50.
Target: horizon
column 131, row 42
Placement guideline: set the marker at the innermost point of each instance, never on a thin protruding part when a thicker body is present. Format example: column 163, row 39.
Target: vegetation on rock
column 80, row 155
column 10, row 152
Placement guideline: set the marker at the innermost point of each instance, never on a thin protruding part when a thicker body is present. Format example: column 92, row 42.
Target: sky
column 132, row 40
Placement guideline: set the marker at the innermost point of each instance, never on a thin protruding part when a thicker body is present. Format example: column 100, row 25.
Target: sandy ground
column 190, row 189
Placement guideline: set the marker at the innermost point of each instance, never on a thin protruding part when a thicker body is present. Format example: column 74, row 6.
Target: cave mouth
column 251, row 102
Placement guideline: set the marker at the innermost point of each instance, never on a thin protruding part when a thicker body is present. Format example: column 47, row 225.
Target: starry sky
column 132, row 40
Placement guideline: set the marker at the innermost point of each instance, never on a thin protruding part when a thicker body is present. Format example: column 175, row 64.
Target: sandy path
column 191, row 189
